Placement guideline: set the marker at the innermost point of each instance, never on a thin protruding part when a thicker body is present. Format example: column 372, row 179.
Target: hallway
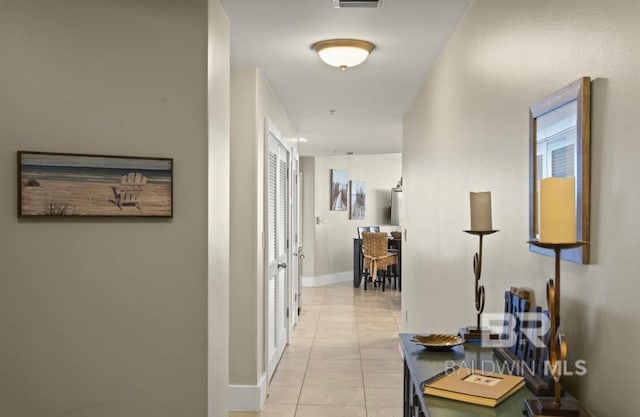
column 344, row 359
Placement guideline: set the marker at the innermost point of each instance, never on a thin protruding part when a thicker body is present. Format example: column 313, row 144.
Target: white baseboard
column 327, row 279
column 248, row 397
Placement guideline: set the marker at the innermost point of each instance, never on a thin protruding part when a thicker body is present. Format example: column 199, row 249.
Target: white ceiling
column 369, row 100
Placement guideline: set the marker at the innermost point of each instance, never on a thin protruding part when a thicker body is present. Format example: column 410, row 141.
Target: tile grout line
column 364, row 392
column 313, row 342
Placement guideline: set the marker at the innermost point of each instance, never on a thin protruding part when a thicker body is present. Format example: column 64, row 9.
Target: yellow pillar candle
column 480, row 211
column 558, row 210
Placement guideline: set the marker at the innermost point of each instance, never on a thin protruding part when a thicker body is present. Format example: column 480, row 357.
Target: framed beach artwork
column 78, row 185
column 339, row 190
column 358, row 200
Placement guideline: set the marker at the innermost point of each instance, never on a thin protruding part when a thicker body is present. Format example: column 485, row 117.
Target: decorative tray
column 438, row 341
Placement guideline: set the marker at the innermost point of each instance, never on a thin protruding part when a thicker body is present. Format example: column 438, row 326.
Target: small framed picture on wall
column 358, row 191
column 339, row 190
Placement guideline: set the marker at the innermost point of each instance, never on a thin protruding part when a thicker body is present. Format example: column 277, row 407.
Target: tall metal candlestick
column 557, row 345
column 470, row 333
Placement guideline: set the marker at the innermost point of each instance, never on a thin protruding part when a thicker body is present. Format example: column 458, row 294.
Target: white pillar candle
column 558, row 210
column 480, row 211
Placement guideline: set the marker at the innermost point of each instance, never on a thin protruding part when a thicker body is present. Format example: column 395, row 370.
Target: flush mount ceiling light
column 357, row 3
column 343, row 53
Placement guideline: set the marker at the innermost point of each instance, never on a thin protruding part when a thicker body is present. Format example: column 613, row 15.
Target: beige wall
column 467, row 130
column 252, row 104
column 219, row 127
column 105, row 317
column 333, row 237
column 243, row 296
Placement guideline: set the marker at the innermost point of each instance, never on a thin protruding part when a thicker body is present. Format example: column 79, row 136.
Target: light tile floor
column 344, row 358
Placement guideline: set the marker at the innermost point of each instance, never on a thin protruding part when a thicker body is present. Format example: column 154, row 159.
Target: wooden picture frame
column 575, row 97
column 82, row 185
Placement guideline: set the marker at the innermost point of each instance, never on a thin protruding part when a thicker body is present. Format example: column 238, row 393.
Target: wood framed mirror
column 560, row 146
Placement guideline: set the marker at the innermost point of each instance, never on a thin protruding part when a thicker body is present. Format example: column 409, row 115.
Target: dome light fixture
column 343, row 53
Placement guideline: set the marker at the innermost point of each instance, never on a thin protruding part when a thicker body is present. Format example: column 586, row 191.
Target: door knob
column 282, row 265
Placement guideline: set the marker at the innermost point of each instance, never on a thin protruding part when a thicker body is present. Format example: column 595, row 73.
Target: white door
column 295, row 240
column 300, row 243
column 278, row 250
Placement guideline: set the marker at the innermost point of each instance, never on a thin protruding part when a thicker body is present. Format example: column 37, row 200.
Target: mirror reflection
column 556, row 145
column 560, row 147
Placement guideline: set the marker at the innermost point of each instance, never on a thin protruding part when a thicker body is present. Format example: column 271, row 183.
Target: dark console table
column 420, row 364
column 358, row 260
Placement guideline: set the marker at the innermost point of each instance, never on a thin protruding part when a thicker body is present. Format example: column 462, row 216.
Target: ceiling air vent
column 358, row 3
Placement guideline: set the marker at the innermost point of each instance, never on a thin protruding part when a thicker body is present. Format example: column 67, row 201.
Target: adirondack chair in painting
column 126, row 194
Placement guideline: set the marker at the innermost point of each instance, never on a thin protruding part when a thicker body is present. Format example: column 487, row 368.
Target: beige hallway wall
column 467, row 130
column 105, row 317
column 253, row 105
column 219, row 189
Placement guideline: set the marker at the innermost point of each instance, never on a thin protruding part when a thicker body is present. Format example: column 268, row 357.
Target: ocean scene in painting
column 74, row 185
